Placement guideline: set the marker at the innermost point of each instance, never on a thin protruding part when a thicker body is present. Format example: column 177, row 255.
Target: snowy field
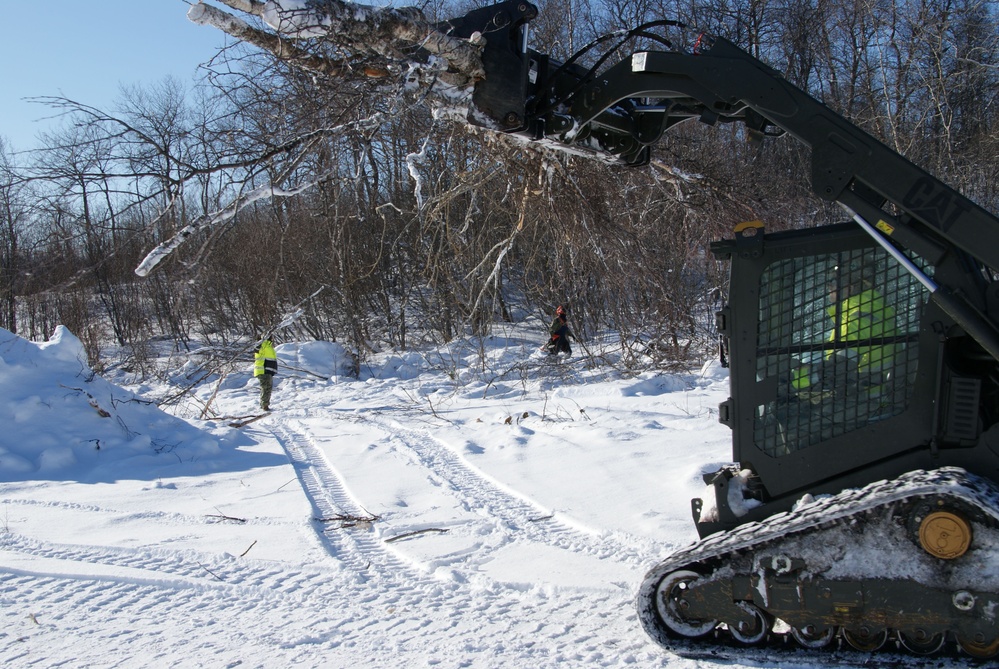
column 441, row 511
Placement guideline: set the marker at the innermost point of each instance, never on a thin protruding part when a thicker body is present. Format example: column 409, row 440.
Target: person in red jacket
column 559, row 334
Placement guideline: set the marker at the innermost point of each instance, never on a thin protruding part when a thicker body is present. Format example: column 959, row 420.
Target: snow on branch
column 366, row 42
column 203, row 14
column 400, row 35
column 163, row 250
column 261, row 193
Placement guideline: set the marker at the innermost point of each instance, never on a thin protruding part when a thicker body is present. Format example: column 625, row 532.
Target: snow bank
column 62, row 421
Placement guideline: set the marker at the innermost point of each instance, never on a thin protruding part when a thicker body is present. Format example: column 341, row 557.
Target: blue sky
column 84, row 50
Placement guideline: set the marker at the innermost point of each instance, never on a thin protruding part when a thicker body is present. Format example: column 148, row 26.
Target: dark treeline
column 411, row 228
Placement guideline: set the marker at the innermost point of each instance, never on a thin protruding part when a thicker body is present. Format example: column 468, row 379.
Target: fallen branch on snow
column 243, row 554
column 222, row 516
column 102, row 412
column 346, row 521
column 414, row 533
column 217, row 577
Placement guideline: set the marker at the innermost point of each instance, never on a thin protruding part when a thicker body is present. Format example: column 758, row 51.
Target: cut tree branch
column 398, row 34
column 203, row 14
column 346, row 521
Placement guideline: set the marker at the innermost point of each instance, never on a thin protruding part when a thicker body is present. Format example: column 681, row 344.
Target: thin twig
column 211, row 572
column 222, row 516
column 208, row 403
column 243, row 554
column 436, row 530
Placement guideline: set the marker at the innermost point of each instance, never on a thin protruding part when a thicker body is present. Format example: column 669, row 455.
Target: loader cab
column 842, row 371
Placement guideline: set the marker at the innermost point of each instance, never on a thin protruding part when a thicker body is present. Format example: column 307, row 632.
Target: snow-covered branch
column 163, row 250
column 402, row 36
column 338, row 39
column 203, row 14
column 266, row 192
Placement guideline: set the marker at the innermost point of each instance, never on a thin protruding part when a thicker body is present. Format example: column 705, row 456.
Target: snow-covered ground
column 439, row 511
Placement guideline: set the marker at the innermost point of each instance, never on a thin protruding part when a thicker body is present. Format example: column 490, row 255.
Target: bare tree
column 320, row 171
column 14, row 215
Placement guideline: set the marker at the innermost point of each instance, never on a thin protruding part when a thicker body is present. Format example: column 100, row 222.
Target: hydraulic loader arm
column 618, row 113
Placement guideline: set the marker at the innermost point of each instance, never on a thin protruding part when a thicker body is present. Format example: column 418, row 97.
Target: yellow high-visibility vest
column 265, row 359
column 861, row 317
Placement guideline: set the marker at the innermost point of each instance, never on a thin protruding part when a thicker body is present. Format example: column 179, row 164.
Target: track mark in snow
column 113, row 604
column 163, row 568
column 520, row 517
column 359, row 549
column 325, row 619
column 497, row 519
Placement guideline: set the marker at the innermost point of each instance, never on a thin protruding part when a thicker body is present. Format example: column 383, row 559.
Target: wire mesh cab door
column 825, row 348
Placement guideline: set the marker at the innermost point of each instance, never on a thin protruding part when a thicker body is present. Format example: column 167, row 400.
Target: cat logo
column 936, row 205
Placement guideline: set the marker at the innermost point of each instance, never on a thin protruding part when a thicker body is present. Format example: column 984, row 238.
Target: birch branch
column 393, row 33
column 164, row 249
column 206, row 15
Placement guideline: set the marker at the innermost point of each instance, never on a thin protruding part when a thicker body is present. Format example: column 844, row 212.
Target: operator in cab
column 850, row 384
column 860, row 315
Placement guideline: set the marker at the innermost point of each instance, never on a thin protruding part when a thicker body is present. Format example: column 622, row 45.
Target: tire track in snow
column 281, row 616
column 364, row 551
column 152, row 515
column 521, row 516
column 512, row 517
column 160, row 604
column 259, row 609
column 163, row 567
column 360, row 549
column 170, row 565
column 165, row 622
column 356, row 549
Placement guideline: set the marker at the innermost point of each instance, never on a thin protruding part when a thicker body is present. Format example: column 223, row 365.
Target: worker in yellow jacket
column 264, row 368
column 861, row 318
column 850, row 385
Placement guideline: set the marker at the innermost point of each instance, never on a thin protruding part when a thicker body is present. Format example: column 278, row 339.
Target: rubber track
column 978, row 492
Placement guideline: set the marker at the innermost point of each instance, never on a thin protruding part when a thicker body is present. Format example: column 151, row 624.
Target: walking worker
column 264, row 368
column 559, row 334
